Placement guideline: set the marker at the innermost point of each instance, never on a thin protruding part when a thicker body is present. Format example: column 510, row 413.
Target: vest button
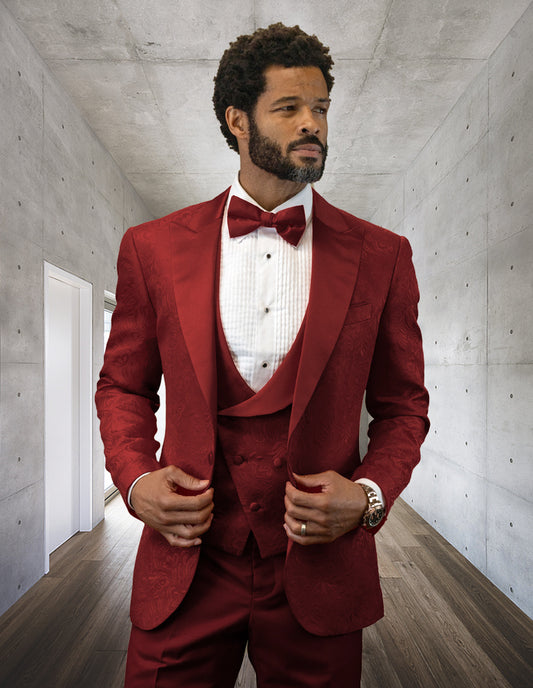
column 210, row 457
column 254, row 506
column 237, row 460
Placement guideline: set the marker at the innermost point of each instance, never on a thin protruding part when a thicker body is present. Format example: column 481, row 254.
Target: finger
column 185, row 480
column 197, row 517
column 313, row 480
column 306, row 500
column 186, row 534
column 177, row 541
column 312, row 529
column 173, row 517
column 302, row 513
column 306, row 539
column 295, row 525
column 188, row 531
column 176, row 502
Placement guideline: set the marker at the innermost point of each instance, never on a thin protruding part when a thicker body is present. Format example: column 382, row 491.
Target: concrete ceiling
column 141, row 72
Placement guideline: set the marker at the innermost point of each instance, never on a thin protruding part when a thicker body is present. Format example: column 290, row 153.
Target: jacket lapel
column 195, row 237
column 337, row 245
column 336, row 255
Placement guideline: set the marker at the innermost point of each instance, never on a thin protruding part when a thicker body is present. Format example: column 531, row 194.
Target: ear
column 238, row 123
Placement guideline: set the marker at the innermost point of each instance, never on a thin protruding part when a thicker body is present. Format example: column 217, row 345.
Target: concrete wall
column 466, row 205
column 63, row 200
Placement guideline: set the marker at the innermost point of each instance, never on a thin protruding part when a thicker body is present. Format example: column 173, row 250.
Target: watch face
column 375, row 517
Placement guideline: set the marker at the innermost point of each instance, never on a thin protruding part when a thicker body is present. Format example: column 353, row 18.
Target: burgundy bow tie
column 244, row 217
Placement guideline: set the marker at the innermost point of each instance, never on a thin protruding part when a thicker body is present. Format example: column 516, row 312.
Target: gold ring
column 303, row 530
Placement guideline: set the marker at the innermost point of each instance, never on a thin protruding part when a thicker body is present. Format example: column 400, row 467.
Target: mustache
column 307, row 139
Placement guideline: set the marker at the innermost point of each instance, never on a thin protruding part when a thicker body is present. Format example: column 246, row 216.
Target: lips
column 309, row 148
column 309, row 151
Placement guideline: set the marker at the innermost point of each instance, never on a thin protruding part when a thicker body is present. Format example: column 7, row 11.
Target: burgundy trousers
column 235, row 600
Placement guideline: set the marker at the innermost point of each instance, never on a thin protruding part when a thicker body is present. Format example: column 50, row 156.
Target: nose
column 309, row 123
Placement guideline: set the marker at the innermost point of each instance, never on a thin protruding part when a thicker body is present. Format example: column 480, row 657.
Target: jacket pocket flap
column 358, row 312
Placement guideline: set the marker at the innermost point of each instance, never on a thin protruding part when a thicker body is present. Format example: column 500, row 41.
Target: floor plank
column 445, row 625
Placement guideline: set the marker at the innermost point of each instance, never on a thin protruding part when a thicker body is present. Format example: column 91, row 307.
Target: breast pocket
column 358, row 312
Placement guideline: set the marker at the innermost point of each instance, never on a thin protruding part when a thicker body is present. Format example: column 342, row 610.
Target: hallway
column 431, row 138
column 446, row 626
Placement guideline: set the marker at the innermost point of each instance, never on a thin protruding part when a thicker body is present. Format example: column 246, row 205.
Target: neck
column 265, row 188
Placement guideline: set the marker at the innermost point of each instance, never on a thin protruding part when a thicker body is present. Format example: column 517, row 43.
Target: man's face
column 288, row 129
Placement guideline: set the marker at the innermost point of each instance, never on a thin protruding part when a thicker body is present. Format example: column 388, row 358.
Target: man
column 270, row 312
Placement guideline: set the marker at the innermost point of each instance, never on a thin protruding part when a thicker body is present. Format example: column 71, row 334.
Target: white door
column 67, row 485
column 62, row 413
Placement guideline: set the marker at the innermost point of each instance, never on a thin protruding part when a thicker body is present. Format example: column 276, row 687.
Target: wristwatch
column 375, row 510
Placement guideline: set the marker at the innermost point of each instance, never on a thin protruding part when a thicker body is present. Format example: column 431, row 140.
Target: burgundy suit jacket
column 361, row 334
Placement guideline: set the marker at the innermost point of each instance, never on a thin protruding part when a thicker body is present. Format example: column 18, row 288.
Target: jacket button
column 254, row 506
column 237, row 460
column 278, row 462
column 210, row 457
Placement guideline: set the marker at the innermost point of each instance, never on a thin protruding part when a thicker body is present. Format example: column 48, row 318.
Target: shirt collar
column 303, row 197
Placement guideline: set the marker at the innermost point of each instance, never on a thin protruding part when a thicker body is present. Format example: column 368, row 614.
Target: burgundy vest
column 251, row 459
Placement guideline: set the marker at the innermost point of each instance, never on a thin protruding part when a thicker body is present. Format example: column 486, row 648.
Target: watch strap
column 375, row 510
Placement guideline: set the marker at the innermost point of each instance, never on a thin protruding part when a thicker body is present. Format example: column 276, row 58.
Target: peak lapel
column 195, row 240
column 336, row 255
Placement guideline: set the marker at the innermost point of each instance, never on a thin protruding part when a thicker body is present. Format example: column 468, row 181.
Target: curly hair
column 240, row 78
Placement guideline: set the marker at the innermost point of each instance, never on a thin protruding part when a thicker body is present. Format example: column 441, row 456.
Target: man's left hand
column 329, row 513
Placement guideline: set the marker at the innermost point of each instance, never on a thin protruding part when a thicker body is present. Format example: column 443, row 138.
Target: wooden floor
column 445, row 625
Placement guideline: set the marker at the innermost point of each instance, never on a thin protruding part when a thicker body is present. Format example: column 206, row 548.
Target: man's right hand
column 181, row 519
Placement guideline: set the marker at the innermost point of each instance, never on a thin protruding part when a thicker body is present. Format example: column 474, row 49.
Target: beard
column 267, row 154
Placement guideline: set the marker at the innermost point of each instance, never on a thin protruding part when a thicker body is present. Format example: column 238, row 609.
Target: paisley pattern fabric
column 360, row 333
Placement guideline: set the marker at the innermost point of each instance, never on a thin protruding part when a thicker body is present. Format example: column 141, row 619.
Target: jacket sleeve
column 126, row 395
column 396, row 397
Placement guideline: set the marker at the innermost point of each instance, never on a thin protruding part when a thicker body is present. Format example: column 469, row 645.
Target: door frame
column 85, row 291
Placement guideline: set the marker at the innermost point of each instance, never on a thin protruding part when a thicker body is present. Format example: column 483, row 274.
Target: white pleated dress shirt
column 264, row 291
